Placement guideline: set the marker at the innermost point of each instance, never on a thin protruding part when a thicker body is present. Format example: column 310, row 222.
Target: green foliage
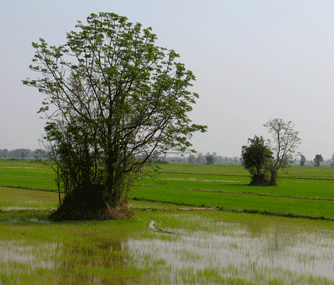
column 120, row 97
column 256, row 159
column 318, row 159
column 302, row 160
column 210, row 158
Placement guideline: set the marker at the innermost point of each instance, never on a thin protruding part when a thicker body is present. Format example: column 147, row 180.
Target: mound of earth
column 87, row 203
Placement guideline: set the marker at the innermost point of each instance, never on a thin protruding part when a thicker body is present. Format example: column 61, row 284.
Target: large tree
column 117, row 101
column 284, row 145
column 256, row 158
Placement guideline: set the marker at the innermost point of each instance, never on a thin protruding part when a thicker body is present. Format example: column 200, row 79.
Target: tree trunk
column 110, row 182
column 273, row 177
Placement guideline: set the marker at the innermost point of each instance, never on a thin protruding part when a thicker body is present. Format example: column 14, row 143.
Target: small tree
column 285, row 144
column 23, row 155
column 191, row 158
column 302, row 160
column 200, row 158
column 210, row 158
column 256, row 159
column 318, row 159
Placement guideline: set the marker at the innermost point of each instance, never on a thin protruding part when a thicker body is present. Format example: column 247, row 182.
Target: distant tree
column 302, row 160
column 256, row 159
column 5, row 153
column 23, row 155
column 318, row 159
column 210, row 158
column 191, row 158
column 38, row 154
column 285, row 144
column 200, row 158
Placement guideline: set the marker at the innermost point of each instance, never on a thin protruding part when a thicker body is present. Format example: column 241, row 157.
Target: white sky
column 253, row 60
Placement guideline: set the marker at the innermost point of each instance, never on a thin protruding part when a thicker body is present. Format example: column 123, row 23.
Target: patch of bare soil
column 87, row 203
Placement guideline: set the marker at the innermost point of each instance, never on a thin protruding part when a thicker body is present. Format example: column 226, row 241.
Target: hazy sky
column 253, row 61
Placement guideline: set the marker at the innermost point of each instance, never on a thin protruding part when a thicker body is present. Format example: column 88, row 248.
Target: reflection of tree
column 100, row 261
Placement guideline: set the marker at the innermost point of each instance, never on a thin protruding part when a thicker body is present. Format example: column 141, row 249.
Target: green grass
column 28, row 182
column 36, row 172
column 12, row 198
column 237, row 201
column 290, row 187
column 322, row 172
column 180, row 181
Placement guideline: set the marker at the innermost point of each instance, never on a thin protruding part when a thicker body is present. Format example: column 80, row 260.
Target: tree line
column 317, row 161
column 21, row 153
column 198, row 158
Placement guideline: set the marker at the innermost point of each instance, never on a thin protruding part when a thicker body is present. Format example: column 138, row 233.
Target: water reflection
column 96, row 261
column 251, row 252
column 254, row 254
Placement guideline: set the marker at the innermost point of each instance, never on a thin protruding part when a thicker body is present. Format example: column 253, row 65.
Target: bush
column 87, row 203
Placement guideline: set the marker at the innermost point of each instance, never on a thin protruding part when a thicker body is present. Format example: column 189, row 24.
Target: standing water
column 275, row 255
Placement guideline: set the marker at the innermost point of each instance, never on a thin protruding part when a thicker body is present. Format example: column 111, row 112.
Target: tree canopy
column 118, row 101
column 318, row 159
column 210, row 158
column 256, row 158
column 284, row 145
column 302, row 160
column 261, row 159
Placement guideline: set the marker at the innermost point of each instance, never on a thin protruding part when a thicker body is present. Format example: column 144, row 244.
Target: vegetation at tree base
column 285, row 144
column 121, row 98
column 302, row 160
column 256, row 159
column 318, row 159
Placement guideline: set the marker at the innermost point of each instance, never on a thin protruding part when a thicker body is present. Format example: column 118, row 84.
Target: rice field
column 199, row 225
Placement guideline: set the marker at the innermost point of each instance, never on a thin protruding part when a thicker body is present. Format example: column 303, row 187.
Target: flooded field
column 199, row 248
column 267, row 256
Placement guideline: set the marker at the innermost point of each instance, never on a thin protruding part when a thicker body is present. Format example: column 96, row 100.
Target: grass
column 236, row 201
column 214, row 247
column 306, row 172
column 12, row 198
column 291, row 187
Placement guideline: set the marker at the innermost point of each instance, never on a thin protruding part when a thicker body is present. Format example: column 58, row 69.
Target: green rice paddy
column 217, row 240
